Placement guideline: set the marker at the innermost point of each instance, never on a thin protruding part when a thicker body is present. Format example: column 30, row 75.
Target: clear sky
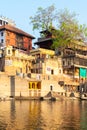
column 21, row 10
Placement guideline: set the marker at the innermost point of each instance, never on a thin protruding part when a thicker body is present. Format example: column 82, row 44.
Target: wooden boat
column 83, row 96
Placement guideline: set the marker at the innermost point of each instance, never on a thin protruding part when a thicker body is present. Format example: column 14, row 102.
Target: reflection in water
column 43, row 115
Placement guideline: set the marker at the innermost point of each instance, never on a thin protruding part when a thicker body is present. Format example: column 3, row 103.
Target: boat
column 5, row 98
column 83, row 96
column 72, row 96
column 52, row 96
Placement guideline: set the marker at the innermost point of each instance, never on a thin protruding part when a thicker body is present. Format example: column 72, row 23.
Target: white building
column 5, row 20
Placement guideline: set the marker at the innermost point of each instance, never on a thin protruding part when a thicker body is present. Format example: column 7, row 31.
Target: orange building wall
column 27, row 43
column 10, row 38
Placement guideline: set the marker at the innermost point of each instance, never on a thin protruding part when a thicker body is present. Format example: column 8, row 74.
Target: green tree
column 44, row 18
column 68, row 30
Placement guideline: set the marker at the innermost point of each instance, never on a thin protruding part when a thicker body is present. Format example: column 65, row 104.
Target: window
column 52, row 71
column 6, row 22
column 63, row 62
column 38, row 85
column 51, row 87
column 0, row 22
column 3, row 22
column 8, row 51
column 1, row 40
column 33, row 85
column 1, row 33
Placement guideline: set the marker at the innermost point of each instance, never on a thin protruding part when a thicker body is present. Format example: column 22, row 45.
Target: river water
column 43, row 115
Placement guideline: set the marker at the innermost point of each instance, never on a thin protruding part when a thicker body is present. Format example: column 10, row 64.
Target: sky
column 20, row 11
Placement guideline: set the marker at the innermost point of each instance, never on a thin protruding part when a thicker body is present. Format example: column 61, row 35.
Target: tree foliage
column 67, row 29
column 44, row 18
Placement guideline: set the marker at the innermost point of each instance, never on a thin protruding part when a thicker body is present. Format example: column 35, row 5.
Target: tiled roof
column 15, row 30
column 43, row 40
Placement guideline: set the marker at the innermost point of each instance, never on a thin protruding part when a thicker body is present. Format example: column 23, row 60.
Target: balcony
column 81, row 61
column 81, row 56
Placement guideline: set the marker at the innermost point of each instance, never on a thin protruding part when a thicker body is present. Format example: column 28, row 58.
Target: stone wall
column 4, row 85
column 15, row 86
column 50, row 85
column 21, row 87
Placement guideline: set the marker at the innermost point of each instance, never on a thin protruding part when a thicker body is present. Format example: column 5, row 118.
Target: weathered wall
column 21, row 87
column 4, row 85
column 17, row 86
column 48, row 85
column 13, row 86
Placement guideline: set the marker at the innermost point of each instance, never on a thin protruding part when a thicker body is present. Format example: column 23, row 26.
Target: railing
column 80, row 61
column 81, row 56
column 77, row 59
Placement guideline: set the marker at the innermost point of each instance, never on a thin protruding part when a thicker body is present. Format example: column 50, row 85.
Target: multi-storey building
column 10, row 35
column 16, row 62
column 45, row 41
column 13, row 43
column 73, row 58
column 40, row 55
column 47, row 68
column 59, row 71
column 5, row 20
